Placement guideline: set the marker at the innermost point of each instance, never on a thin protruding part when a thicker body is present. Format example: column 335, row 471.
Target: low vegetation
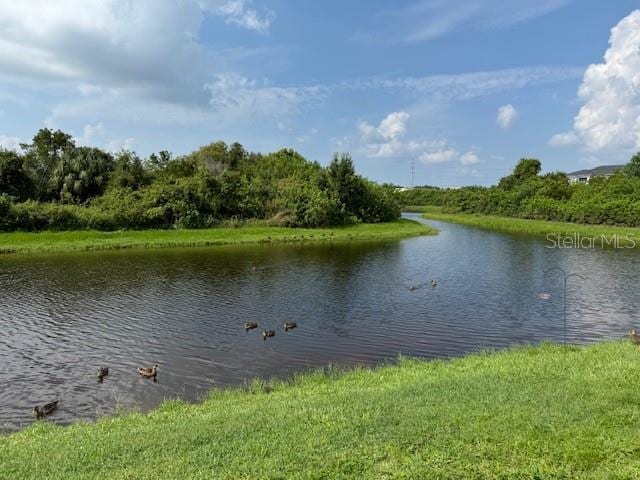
column 525, row 193
column 530, row 412
column 52, row 184
column 587, row 235
column 32, row 242
column 421, row 208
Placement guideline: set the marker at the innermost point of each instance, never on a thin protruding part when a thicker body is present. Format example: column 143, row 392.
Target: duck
column 634, row 337
column 434, row 284
column 250, row 326
column 268, row 333
column 412, row 288
column 47, row 409
column 289, row 325
column 148, row 372
column 102, row 372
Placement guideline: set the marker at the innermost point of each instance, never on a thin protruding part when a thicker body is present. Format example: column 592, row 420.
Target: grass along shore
column 421, row 209
column 530, row 412
column 602, row 235
column 81, row 240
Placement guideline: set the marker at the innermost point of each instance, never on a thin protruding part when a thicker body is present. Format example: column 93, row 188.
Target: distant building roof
column 597, row 171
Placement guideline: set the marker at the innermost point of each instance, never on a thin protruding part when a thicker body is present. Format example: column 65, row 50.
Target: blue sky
column 461, row 88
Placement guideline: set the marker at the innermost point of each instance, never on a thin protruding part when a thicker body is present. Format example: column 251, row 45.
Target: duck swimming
column 102, row 372
column 148, row 372
column 289, row 325
column 268, row 333
column 250, row 326
column 47, row 409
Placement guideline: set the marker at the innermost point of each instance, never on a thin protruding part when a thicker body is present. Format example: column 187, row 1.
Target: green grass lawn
column 626, row 236
column 29, row 242
column 531, row 412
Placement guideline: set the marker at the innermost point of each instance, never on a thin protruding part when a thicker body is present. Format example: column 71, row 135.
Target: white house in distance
column 583, row 176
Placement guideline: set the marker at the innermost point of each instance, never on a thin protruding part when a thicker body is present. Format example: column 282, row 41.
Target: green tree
column 218, row 157
column 526, row 169
column 80, row 174
column 157, row 163
column 42, row 156
column 632, row 169
column 128, row 172
column 14, row 178
column 348, row 186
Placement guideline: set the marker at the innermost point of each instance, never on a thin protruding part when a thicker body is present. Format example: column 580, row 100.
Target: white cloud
column 119, row 55
column 610, row 116
column 394, row 125
column 428, row 19
column 439, row 156
column 238, row 12
column 507, row 116
column 387, row 140
column 467, row 86
column 96, row 135
column 9, row 143
column 235, row 95
column 564, row 139
column 447, row 155
column 391, row 128
column 469, row 158
column 143, row 61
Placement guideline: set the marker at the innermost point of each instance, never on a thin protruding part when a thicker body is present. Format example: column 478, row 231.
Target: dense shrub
column 527, row 194
column 59, row 186
column 424, row 195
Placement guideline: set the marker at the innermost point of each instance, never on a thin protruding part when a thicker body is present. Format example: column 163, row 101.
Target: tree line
column 54, row 184
column 526, row 193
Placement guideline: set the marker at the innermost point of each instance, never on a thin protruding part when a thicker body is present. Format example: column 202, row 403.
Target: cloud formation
column 467, row 86
column 425, row 20
column 116, row 53
column 96, row 135
column 387, row 140
column 239, row 13
column 609, row 118
column 507, row 116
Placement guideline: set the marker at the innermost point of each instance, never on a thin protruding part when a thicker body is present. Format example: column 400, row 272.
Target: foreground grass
column 27, row 242
column 533, row 412
column 602, row 235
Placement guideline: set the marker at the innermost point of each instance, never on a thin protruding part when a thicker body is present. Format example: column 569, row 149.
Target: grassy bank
column 27, row 242
column 534, row 412
column 624, row 236
column 421, row 208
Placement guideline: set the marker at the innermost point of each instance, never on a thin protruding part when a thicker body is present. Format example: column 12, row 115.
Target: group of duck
column 49, row 408
column 150, row 372
column 269, row 333
column 433, row 284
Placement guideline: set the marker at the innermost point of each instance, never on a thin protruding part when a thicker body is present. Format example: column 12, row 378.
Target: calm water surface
column 62, row 316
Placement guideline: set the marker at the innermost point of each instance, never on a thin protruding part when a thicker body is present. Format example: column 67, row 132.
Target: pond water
column 63, row 316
